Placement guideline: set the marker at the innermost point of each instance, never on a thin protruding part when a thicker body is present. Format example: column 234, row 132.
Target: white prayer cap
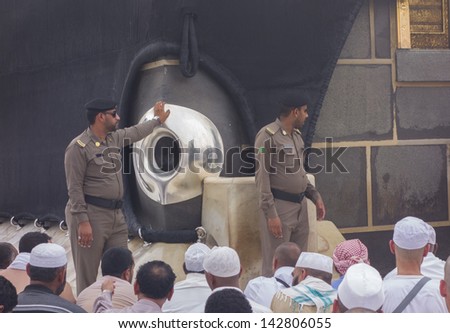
column 362, row 287
column 222, row 261
column 411, row 233
column 193, row 258
column 315, row 261
column 48, row 255
column 431, row 234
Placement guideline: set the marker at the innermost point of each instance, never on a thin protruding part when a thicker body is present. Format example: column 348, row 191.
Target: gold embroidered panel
column 429, row 24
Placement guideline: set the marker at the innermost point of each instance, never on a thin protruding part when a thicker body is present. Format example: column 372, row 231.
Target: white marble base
column 230, row 217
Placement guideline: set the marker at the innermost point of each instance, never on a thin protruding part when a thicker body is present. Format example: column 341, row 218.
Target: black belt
column 286, row 196
column 104, row 203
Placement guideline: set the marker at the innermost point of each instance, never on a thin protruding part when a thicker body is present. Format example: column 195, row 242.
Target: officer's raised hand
column 159, row 112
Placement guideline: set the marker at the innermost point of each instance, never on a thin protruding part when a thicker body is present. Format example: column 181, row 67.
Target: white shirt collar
column 21, row 261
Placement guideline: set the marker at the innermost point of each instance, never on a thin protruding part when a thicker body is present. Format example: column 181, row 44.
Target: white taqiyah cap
column 431, row 234
column 411, row 233
column 48, row 255
column 315, row 261
column 193, row 258
column 222, row 261
column 362, row 287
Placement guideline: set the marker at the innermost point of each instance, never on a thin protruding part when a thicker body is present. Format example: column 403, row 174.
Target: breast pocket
column 286, row 156
column 98, row 160
column 108, row 163
column 96, row 164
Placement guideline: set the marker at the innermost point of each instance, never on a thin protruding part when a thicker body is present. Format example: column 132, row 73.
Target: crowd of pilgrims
column 33, row 279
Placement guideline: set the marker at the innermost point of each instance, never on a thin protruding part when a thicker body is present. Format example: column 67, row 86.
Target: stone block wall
column 387, row 119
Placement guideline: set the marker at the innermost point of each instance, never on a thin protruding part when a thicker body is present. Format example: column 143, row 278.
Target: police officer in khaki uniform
column 95, row 185
column 282, row 183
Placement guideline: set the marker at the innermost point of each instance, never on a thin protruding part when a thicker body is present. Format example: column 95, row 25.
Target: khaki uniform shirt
column 280, row 166
column 94, row 167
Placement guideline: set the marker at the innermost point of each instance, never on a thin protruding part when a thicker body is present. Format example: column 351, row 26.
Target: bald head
column 410, row 255
column 408, row 262
column 286, row 254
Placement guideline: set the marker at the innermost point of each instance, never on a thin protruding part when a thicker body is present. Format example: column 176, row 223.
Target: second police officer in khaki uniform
column 282, row 183
column 95, row 185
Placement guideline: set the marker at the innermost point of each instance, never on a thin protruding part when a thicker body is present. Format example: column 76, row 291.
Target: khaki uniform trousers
column 294, row 220
column 109, row 229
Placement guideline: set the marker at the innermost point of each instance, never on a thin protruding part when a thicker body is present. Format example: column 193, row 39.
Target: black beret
column 100, row 105
column 295, row 100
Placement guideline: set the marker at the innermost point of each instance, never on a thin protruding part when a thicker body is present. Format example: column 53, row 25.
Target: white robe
column 189, row 295
column 428, row 300
column 262, row 289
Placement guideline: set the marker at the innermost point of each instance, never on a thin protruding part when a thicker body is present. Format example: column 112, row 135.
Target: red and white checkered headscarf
column 348, row 253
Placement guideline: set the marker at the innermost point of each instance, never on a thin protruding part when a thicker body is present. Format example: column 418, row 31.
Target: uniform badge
column 97, row 144
column 288, row 149
column 81, row 143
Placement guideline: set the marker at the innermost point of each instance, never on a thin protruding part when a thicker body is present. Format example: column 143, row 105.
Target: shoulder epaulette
column 83, row 139
column 272, row 129
column 81, row 143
